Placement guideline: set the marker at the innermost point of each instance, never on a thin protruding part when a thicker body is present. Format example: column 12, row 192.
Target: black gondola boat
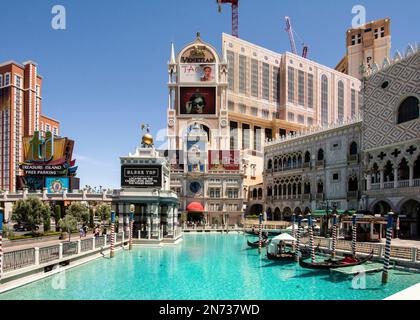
column 330, row 264
column 256, row 244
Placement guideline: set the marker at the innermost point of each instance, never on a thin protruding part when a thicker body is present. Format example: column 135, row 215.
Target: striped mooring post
column 387, row 256
column 112, row 234
column 1, row 242
column 354, row 236
column 311, row 237
column 334, row 236
column 130, row 241
column 260, row 233
column 293, row 230
column 297, row 252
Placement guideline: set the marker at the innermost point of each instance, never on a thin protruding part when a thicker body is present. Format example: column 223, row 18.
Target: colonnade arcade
column 152, row 219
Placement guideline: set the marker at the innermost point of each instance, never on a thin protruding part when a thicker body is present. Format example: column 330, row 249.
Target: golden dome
column 147, row 140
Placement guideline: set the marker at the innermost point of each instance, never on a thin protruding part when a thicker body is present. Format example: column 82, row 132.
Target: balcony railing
column 320, row 197
column 416, row 182
column 320, row 163
column 306, row 165
column 352, row 194
column 353, row 158
column 389, row 185
column 403, row 184
column 306, row 197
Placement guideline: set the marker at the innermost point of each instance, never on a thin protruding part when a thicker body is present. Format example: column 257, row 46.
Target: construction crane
column 292, row 33
column 235, row 14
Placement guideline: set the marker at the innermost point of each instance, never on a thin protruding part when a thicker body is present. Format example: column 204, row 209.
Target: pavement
column 8, row 246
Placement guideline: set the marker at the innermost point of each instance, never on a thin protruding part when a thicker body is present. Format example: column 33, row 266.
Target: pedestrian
column 97, row 232
column 81, row 231
column 85, row 230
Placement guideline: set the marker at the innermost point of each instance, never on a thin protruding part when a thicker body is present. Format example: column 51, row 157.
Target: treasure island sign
column 46, row 156
column 141, row 177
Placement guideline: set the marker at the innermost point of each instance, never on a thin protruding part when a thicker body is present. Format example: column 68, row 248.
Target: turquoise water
column 203, row 267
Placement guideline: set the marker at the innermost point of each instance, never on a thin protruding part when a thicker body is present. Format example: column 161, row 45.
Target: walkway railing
column 20, row 259
column 397, row 252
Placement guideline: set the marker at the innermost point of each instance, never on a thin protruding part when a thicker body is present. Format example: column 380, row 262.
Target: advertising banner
column 42, row 170
column 141, row 176
column 197, row 73
column 197, row 100
column 56, row 184
column 224, row 160
column 196, row 156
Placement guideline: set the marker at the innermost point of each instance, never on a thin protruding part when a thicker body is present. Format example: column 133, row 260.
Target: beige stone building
column 271, row 95
column 366, row 45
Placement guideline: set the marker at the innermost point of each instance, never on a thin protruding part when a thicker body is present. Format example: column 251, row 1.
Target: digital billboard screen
column 197, row 100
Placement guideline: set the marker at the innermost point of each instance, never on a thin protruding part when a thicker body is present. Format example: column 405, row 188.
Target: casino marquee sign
column 141, row 177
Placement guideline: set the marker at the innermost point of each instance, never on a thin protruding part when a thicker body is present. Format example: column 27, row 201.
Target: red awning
column 195, row 207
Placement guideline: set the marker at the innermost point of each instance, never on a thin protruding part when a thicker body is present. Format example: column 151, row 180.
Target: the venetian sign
column 141, row 177
column 198, row 54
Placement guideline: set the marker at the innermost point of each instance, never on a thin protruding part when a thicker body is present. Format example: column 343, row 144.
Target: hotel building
column 366, row 45
column 20, row 115
column 273, row 95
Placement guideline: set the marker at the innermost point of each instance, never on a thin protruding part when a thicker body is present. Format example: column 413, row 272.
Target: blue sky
column 106, row 73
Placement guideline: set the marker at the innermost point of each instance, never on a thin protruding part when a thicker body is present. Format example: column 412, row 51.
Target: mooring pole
column 112, row 234
column 260, row 233
column 293, row 230
column 354, row 235
column 387, row 256
column 334, row 240
column 311, row 237
column 297, row 252
column 1, row 242
column 130, row 241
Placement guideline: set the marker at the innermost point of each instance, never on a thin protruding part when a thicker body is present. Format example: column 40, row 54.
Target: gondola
column 256, row 244
column 348, row 261
column 290, row 255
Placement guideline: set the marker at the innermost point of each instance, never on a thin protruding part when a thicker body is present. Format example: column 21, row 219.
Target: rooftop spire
column 172, row 54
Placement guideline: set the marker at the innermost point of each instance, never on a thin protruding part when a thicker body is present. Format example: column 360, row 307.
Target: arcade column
column 170, row 220
column 153, row 220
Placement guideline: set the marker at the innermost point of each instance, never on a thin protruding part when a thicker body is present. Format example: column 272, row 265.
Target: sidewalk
column 41, row 244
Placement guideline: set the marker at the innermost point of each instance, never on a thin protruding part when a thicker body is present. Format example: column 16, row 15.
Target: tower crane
column 235, row 14
column 292, row 32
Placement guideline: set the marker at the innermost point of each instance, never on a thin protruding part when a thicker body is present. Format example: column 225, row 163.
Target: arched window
column 254, row 194
column 320, row 155
column 275, row 165
column 389, row 172
column 260, row 194
column 340, row 100
column 403, row 170
column 353, row 148
column 324, row 99
column 320, row 187
column 307, row 157
column 270, row 164
column 408, row 110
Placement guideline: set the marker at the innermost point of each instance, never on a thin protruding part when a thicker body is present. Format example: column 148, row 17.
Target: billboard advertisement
column 56, row 184
column 197, row 73
column 141, row 176
column 224, row 160
column 197, row 100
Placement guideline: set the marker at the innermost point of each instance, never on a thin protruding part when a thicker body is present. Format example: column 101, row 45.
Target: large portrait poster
column 197, row 73
column 197, row 100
